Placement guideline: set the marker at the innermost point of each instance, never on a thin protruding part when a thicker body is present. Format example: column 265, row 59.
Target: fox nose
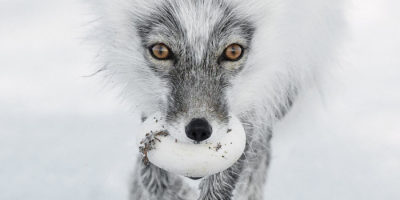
column 198, row 129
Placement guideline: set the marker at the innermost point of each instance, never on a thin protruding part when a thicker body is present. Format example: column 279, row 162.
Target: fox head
column 200, row 61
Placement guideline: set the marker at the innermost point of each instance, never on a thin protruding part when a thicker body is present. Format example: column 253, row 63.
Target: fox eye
column 160, row 51
column 233, row 52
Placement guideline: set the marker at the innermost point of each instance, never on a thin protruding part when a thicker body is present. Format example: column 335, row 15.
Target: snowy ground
column 63, row 137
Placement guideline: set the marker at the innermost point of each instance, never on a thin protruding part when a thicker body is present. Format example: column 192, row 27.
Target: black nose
column 198, row 129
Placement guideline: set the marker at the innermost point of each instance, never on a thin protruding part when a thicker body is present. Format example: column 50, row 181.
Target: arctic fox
column 199, row 61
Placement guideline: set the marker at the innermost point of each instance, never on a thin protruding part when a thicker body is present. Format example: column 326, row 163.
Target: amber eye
column 160, row 52
column 233, row 52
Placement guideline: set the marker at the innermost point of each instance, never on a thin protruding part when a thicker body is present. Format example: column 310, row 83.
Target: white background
column 63, row 136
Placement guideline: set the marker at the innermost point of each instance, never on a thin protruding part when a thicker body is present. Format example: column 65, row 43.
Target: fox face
column 195, row 49
column 204, row 61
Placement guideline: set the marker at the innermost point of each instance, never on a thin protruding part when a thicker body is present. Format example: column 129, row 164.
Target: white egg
column 189, row 159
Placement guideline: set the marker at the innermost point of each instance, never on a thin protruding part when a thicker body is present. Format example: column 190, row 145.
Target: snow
column 64, row 137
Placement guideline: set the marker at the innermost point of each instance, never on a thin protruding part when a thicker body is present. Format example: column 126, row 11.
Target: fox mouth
column 195, row 178
column 159, row 146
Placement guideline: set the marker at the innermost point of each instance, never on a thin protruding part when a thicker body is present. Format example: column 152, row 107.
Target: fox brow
column 163, row 20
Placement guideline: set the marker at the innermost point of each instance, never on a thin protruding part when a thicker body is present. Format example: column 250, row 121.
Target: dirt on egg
column 148, row 143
